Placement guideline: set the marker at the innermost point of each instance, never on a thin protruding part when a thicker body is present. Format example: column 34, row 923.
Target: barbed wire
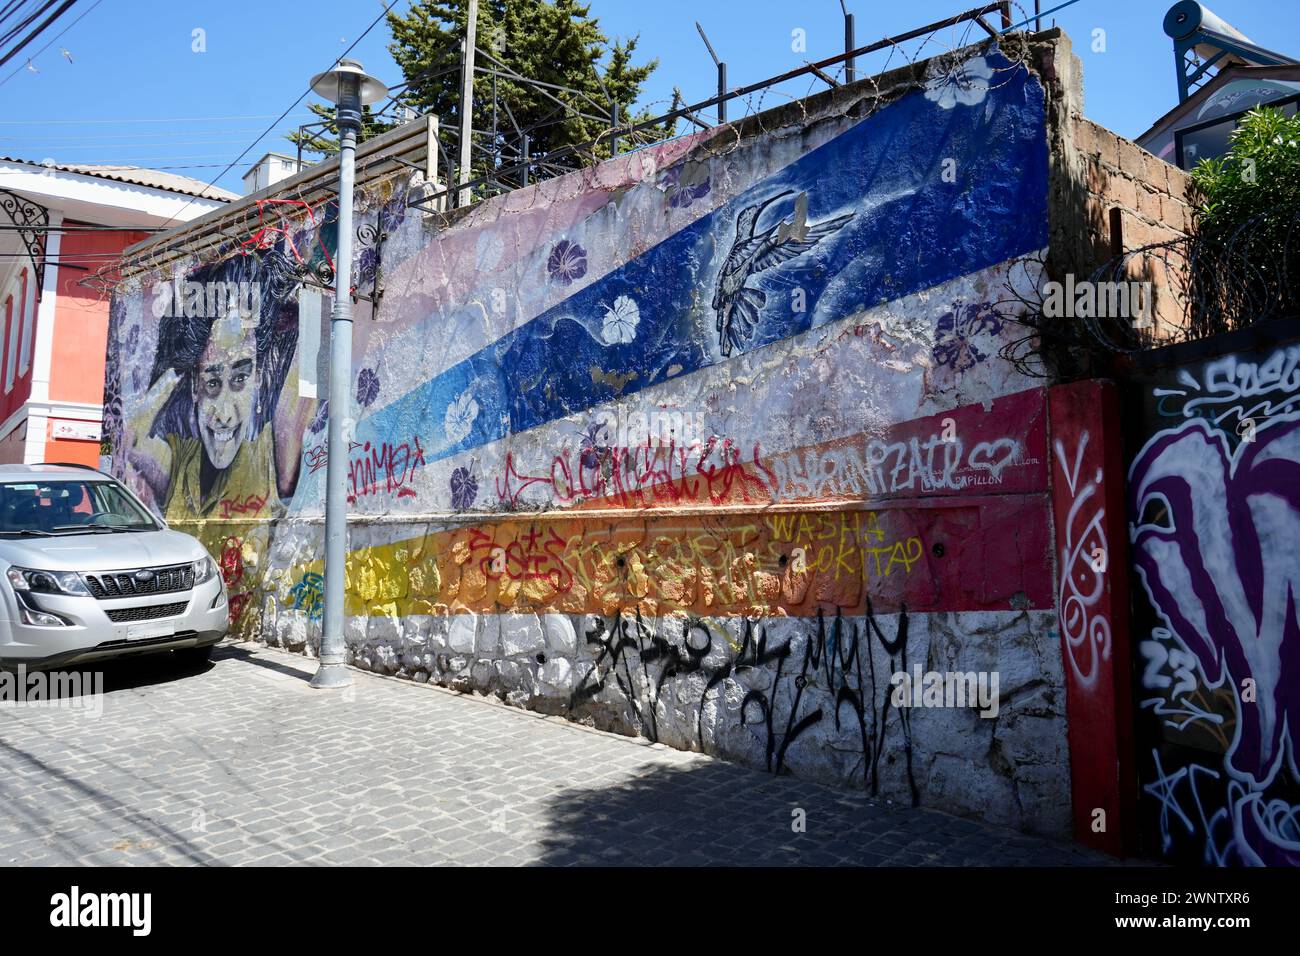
column 557, row 179
column 1186, row 289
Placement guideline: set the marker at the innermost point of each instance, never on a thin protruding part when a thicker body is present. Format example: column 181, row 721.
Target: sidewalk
column 243, row 763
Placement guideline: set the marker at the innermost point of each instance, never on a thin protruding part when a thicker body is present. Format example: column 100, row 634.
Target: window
column 1212, row 139
column 27, row 310
column 69, row 506
column 12, row 315
column 8, row 353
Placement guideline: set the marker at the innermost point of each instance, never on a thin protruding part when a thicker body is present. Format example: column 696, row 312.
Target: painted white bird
column 752, row 252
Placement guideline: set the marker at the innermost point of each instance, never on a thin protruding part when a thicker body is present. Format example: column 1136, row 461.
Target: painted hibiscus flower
column 393, row 214
column 567, row 262
column 463, row 489
column 621, row 320
column 459, row 419
column 966, row 83
column 686, row 185
column 957, row 332
column 594, row 445
column 367, row 387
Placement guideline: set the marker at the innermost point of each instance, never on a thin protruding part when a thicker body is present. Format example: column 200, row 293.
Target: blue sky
column 132, row 90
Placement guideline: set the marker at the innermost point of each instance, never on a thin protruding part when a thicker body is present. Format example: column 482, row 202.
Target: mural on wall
column 215, row 430
column 701, row 444
column 1214, row 501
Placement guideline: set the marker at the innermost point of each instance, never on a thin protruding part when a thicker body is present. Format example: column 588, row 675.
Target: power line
column 270, row 129
column 23, row 24
column 52, row 41
column 1039, row 16
column 10, row 9
column 140, row 119
column 37, row 32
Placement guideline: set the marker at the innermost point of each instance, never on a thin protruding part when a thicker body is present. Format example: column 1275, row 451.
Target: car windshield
column 69, row 506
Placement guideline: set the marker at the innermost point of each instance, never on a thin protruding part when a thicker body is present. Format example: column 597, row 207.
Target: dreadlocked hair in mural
column 113, row 423
column 272, row 282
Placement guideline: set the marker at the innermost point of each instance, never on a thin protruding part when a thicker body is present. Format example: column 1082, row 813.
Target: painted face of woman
column 225, row 388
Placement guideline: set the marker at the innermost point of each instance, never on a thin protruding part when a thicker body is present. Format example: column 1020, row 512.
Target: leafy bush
column 1247, row 262
column 1259, row 177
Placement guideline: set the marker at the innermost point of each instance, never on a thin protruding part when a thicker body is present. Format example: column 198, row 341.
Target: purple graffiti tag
column 1214, row 548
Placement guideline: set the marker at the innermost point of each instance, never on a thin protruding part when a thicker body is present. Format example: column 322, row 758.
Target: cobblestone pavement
column 243, row 763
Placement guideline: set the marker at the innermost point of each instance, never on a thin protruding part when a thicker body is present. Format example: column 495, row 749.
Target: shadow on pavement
column 144, row 670
column 126, row 673
column 721, row 814
column 241, row 652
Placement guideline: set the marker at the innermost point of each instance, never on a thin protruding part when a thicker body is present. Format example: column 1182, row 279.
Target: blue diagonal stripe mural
column 881, row 211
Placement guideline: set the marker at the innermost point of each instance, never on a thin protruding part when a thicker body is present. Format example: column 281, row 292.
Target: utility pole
column 349, row 88
column 467, row 102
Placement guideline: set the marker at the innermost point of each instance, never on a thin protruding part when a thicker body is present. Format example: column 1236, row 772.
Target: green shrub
column 1259, row 177
column 1247, row 246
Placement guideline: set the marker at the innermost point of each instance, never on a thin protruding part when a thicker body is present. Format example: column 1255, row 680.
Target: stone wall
column 707, row 443
column 1111, row 197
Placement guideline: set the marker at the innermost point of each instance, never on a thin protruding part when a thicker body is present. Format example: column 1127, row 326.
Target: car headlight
column 204, row 570
column 47, row 582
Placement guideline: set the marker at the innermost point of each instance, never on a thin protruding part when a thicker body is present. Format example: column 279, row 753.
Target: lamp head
column 335, row 85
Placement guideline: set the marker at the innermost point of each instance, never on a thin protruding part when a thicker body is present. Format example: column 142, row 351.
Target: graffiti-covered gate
column 1214, row 522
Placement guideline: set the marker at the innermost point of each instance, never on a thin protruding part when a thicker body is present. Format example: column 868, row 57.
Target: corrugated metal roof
column 139, row 176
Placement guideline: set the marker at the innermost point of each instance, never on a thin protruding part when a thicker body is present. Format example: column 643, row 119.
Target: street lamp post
column 348, row 86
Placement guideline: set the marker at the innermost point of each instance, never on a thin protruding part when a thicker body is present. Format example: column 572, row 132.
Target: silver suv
column 87, row 573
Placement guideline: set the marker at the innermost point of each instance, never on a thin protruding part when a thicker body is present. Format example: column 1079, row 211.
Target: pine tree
column 552, row 41
column 326, row 140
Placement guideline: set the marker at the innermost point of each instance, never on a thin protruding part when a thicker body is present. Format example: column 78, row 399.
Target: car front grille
column 123, row 614
column 107, row 585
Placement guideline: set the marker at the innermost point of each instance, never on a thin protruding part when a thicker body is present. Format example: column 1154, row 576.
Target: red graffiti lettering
column 385, row 467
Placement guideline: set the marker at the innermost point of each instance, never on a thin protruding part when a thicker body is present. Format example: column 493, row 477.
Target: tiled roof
column 139, row 176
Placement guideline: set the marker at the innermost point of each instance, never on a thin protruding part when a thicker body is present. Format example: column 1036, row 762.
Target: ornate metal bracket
column 370, row 237
column 33, row 222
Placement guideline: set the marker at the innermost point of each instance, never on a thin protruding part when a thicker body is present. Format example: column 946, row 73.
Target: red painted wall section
column 1087, row 479
column 70, row 451
column 81, row 317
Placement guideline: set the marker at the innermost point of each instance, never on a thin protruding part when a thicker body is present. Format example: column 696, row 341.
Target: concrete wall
column 704, row 444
